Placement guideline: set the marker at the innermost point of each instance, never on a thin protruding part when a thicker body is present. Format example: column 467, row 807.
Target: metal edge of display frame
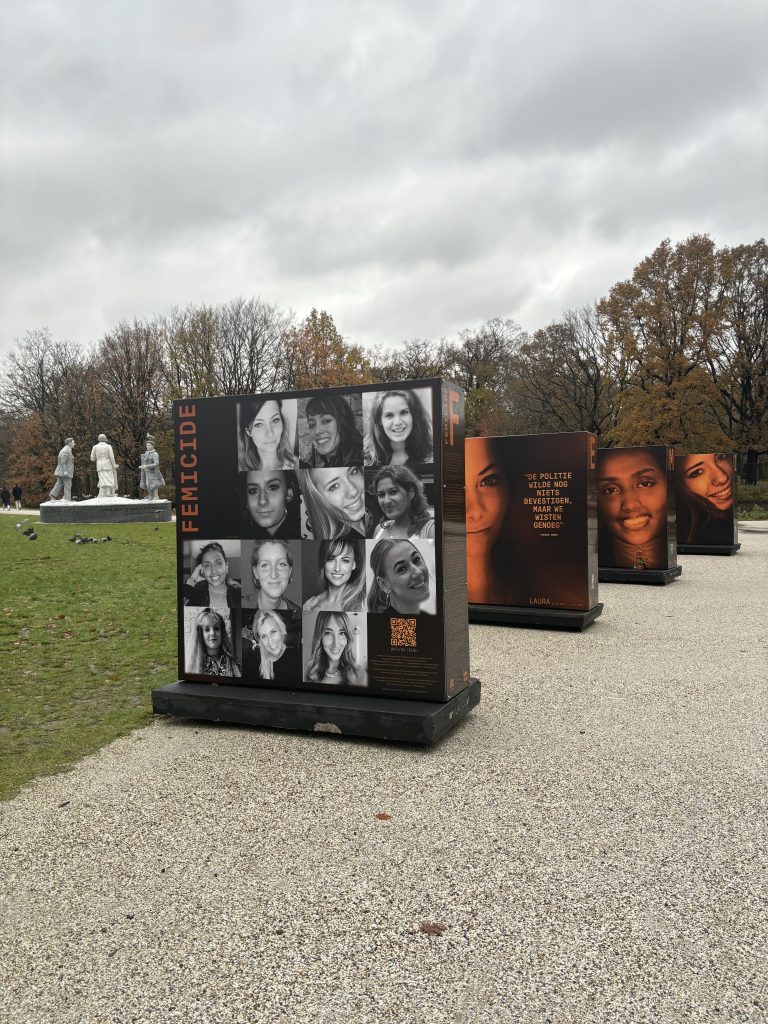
column 707, row 549
column 660, row 577
column 534, row 618
column 381, row 718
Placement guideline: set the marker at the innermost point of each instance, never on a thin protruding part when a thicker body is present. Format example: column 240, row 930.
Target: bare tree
column 484, row 364
column 42, row 376
column 252, row 337
column 415, row 359
column 233, row 349
column 128, row 363
column 570, row 375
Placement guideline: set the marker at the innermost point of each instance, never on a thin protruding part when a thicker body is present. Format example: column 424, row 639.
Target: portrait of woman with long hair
column 341, row 574
column 399, row 430
column 334, row 500
column 332, row 661
column 405, row 512
column 332, row 437
column 209, row 652
column 705, row 490
column 276, row 660
column 265, row 437
column 487, row 503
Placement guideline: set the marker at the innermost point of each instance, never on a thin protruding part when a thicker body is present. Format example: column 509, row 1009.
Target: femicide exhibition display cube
column 321, row 552
column 636, row 515
column 532, row 530
column 705, row 494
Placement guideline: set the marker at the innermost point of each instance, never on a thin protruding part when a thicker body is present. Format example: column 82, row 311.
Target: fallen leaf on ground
column 432, row 928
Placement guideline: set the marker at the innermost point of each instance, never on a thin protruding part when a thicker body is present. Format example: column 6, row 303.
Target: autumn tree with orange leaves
column 319, row 357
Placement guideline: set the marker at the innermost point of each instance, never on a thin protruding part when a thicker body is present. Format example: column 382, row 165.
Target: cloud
column 412, row 168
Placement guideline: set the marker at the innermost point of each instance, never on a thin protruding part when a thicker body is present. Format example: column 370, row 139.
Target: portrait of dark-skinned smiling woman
column 632, row 507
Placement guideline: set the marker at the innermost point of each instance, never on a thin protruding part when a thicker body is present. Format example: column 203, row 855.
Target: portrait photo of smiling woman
column 270, row 504
column 334, row 502
column 401, row 576
column 334, row 575
column 329, row 433
column 266, row 430
column 270, row 648
column 632, row 507
column 705, row 490
column 335, row 646
column 402, row 505
column 209, row 647
column 398, row 427
column 211, row 573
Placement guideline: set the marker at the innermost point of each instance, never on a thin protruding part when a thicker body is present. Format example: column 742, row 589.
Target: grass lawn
column 86, row 631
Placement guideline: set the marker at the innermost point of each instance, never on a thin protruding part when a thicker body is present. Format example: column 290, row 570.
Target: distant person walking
column 5, row 497
column 65, row 469
column 16, row 492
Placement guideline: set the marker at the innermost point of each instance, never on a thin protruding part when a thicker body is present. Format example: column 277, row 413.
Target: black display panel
column 320, row 540
column 705, row 492
column 531, row 521
column 636, row 508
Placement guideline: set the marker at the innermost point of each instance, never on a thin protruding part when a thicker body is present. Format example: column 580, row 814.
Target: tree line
column 677, row 354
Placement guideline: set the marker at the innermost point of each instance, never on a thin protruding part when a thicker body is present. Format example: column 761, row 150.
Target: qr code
column 403, row 632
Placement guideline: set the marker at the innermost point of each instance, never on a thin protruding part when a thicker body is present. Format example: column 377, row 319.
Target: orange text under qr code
column 403, row 632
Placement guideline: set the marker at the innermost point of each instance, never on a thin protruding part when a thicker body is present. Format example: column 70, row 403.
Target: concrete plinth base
column 381, row 718
column 537, row 618
column 105, row 510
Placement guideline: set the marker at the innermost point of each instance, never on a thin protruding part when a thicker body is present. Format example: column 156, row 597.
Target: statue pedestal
column 105, row 510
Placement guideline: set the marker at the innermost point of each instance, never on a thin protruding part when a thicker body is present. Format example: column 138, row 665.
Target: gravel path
column 593, row 839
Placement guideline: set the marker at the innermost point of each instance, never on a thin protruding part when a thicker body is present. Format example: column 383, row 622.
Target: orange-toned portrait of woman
column 705, row 486
column 632, row 508
column 487, row 497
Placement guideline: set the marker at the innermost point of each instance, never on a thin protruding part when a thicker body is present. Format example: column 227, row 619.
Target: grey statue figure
column 106, row 467
column 151, row 477
column 65, row 469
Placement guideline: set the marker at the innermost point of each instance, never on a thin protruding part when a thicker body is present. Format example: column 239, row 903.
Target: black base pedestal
column 381, row 718
column 537, row 618
column 658, row 576
column 707, row 549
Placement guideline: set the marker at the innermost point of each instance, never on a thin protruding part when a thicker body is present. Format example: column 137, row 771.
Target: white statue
column 64, row 472
column 151, row 477
column 104, row 457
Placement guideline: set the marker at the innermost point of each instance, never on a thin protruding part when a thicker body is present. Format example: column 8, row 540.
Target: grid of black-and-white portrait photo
column 317, row 564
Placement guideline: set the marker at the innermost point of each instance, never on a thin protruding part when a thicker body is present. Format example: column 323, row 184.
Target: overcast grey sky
column 412, row 167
